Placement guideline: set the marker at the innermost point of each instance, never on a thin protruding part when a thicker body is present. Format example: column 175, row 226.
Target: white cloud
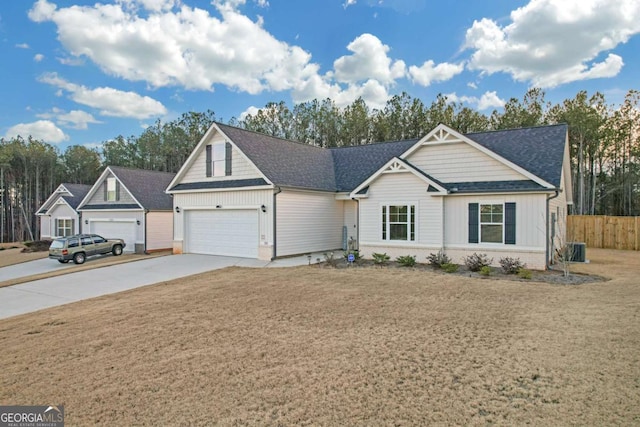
column 551, row 42
column 183, row 46
column 486, row 101
column 22, row 46
column 44, row 130
column 249, row 111
column 348, row 3
column 429, row 72
column 38, row 57
column 110, row 102
column 369, row 61
column 76, row 119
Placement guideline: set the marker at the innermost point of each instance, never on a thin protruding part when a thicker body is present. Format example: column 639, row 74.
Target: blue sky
column 83, row 72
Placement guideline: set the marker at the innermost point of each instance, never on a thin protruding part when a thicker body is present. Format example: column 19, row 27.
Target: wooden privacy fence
column 602, row 231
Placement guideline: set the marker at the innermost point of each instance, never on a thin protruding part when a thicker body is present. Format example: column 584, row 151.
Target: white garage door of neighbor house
column 117, row 230
column 222, row 232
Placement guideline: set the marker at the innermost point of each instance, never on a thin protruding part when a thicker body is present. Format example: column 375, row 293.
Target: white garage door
column 222, row 232
column 117, row 230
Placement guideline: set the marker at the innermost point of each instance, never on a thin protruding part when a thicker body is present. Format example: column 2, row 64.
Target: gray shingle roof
column 146, row 186
column 235, row 183
column 78, row 191
column 111, row 206
column 539, row 150
column 492, row 186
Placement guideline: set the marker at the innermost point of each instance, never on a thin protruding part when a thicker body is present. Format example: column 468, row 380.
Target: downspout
column 146, row 211
column 546, row 251
column 357, row 222
column 277, row 191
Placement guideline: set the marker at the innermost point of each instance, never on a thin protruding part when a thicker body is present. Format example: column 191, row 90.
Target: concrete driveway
column 29, row 268
column 72, row 287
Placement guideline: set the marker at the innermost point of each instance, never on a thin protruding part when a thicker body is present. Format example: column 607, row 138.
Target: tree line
column 604, row 145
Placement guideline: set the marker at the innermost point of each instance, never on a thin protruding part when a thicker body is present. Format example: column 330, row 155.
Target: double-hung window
column 491, row 223
column 218, row 159
column 111, row 190
column 64, row 227
column 399, row 222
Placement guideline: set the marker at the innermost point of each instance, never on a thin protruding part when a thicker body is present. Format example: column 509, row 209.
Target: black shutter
column 510, row 223
column 227, row 158
column 473, row 222
column 117, row 191
column 209, row 168
column 105, row 190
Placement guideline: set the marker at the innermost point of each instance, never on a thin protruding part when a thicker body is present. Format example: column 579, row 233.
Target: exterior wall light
column 263, row 208
column 177, row 209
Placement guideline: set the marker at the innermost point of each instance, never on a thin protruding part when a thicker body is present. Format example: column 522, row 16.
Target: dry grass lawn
column 314, row 345
column 15, row 255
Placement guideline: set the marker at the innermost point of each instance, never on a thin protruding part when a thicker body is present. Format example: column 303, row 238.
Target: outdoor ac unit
column 578, row 251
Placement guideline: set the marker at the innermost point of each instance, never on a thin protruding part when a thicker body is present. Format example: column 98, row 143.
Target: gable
column 241, row 168
column 97, row 196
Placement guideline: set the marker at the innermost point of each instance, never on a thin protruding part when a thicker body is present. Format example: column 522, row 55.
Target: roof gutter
column 547, row 239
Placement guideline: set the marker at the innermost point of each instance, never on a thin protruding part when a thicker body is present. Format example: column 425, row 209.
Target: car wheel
column 79, row 258
column 117, row 250
column 63, row 261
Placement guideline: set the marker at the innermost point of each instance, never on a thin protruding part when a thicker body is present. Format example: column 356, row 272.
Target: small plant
column 330, row 259
column 380, row 259
column 437, row 260
column 485, row 270
column 523, row 273
column 511, row 265
column 449, row 267
column 476, row 261
column 406, row 260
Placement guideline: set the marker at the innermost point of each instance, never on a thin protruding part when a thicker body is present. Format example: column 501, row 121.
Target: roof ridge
column 140, row 170
column 271, row 136
column 515, row 129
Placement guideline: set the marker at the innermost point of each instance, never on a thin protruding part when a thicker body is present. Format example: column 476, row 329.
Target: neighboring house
column 58, row 215
column 130, row 204
column 503, row 193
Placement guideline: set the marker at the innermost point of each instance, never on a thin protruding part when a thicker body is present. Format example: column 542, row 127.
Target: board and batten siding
column 401, row 189
column 240, row 166
column 460, row 162
column 159, row 230
column 307, row 222
column 237, row 199
column 98, row 197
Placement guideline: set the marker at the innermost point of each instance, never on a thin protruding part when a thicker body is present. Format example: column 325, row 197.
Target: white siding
column 237, row 199
column 159, row 230
column 58, row 211
column 307, row 222
column 351, row 219
column 45, row 226
column 460, row 162
column 401, row 189
column 240, row 166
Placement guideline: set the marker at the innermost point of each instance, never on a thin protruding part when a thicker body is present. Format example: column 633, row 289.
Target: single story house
column 503, row 193
column 130, row 204
column 58, row 214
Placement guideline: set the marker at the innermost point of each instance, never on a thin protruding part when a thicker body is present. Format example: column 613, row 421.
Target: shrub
column 476, row 261
column 406, row 260
column 485, row 270
column 355, row 253
column 511, row 265
column 523, row 273
column 330, row 259
column 380, row 259
column 437, row 260
column 449, row 267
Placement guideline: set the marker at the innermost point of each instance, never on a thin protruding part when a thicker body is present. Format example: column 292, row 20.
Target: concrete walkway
column 54, row 291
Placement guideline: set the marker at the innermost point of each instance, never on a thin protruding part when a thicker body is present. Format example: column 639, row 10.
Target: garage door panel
column 222, row 232
column 117, row 230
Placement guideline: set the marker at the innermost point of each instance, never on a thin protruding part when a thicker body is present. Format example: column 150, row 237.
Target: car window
column 73, row 243
column 98, row 239
column 87, row 241
column 57, row 244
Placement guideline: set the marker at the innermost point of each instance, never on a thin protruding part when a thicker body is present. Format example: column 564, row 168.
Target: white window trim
column 57, row 228
column 416, row 221
column 480, row 223
column 110, row 191
column 215, row 161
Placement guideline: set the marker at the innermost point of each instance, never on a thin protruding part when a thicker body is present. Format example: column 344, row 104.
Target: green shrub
column 523, row 273
column 449, row 267
column 485, row 270
column 437, row 260
column 330, row 259
column 380, row 259
column 511, row 265
column 355, row 253
column 406, row 260
column 476, row 261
